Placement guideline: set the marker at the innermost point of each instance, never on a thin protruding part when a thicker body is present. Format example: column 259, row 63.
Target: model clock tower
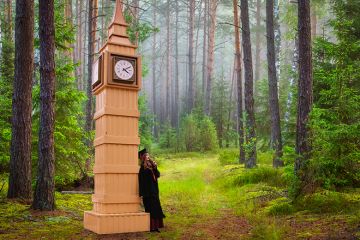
column 116, row 82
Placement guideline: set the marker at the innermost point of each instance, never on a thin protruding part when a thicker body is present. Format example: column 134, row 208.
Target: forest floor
column 204, row 200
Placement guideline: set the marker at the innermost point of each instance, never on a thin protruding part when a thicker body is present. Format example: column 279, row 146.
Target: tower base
column 116, row 223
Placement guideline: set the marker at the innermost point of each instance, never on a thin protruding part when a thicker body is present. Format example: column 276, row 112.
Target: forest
column 251, row 108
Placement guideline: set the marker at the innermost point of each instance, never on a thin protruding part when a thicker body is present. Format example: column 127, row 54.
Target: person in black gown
column 149, row 190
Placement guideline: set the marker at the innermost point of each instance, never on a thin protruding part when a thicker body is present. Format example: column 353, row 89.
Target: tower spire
column 118, row 17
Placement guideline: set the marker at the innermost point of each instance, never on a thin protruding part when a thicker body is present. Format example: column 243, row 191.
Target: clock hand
column 125, row 70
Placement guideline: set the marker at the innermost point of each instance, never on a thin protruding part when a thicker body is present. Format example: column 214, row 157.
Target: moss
column 280, row 206
column 329, row 202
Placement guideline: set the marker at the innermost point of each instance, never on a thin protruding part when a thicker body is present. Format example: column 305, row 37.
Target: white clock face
column 124, row 70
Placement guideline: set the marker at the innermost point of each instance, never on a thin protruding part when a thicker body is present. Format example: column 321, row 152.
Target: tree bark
column 204, row 47
column 240, row 125
column 20, row 156
column 191, row 90
column 89, row 104
column 276, row 141
column 44, row 197
column 250, row 161
column 168, row 63
column 211, row 50
column 305, row 95
column 257, row 44
column 154, row 70
column 177, row 89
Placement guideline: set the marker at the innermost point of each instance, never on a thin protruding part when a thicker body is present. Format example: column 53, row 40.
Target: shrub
column 229, row 156
column 208, row 138
column 198, row 133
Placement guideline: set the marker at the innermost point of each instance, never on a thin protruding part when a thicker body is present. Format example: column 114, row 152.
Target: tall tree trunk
column 257, row 44
column 276, row 142
column 204, row 74
column 240, row 125
column 191, row 90
column 211, row 49
column 176, row 110
column 168, row 63
column 20, row 156
column 305, row 96
column 250, row 161
column 44, row 197
column 89, row 104
column 154, row 70
column 79, row 36
column 277, row 35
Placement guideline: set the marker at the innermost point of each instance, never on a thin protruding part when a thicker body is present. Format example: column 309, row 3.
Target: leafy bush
column 208, row 137
column 229, row 156
column 168, row 137
column 198, row 133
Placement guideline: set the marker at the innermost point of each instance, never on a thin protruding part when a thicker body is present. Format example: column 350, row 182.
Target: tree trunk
column 204, row 74
column 257, row 44
column 305, row 97
column 20, row 156
column 276, row 142
column 250, row 161
column 89, row 103
column 44, row 197
column 191, row 90
column 79, row 69
column 240, row 125
column 211, row 49
column 168, row 63
column 154, row 70
column 176, row 110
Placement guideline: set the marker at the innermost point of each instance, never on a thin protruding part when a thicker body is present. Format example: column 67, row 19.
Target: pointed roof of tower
column 117, row 29
column 118, row 17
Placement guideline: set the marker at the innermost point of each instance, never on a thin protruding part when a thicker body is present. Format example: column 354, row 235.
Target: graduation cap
column 142, row 152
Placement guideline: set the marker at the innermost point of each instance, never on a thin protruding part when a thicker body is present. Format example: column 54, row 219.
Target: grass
column 199, row 193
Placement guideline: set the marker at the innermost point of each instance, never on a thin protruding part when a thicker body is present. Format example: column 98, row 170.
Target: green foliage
column 329, row 201
column 335, row 119
column 6, row 89
column 229, row 156
column 269, row 175
column 198, row 133
column 280, row 206
column 145, row 123
column 262, row 114
column 221, row 108
column 168, row 137
column 138, row 30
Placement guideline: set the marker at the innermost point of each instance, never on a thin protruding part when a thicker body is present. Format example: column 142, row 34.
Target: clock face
column 124, row 70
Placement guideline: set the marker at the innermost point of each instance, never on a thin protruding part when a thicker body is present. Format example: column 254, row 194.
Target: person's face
column 146, row 157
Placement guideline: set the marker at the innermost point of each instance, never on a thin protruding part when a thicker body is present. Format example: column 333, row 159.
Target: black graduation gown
column 149, row 190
